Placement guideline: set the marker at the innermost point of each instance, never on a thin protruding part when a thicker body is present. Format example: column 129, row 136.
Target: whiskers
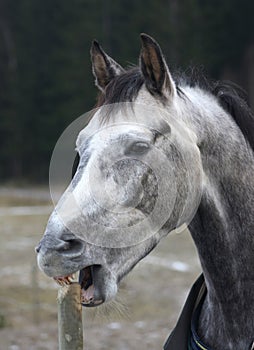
column 114, row 310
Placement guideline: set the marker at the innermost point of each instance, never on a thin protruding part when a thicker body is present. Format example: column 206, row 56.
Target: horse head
column 139, row 176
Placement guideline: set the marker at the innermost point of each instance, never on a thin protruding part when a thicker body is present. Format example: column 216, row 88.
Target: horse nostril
column 62, row 246
column 71, row 247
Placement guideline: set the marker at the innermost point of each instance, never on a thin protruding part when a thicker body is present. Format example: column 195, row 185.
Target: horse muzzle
column 61, row 259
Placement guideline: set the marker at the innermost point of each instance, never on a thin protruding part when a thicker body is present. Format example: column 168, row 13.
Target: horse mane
column 232, row 98
column 235, row 101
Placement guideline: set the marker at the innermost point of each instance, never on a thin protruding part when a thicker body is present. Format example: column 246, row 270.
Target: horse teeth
column 72, row 277
column 65, row 281
column 57, row 281
column 85, row 301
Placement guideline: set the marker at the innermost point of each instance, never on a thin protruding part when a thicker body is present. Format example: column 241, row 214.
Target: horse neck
column 222, row 230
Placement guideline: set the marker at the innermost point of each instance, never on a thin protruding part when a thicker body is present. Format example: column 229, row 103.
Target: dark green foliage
column 45, row 70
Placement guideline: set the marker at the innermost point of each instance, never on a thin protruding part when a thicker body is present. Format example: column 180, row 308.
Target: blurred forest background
column 45, row 71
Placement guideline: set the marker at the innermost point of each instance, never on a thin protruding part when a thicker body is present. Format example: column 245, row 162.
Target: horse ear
column 104, row 67
column 158, row 80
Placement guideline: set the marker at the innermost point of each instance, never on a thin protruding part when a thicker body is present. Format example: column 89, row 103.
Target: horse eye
column 138, row 148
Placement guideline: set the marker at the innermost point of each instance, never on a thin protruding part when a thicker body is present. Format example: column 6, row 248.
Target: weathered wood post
column 70, row 330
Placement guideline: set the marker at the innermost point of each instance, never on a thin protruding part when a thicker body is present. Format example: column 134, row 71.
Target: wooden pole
column 35, row 289
column 70, row 330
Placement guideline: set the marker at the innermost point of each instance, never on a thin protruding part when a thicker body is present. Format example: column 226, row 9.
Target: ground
column 147, row 305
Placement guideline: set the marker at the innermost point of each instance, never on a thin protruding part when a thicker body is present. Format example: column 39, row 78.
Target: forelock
column 123, row 88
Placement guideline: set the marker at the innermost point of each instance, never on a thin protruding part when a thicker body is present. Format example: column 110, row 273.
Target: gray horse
column 161, row 151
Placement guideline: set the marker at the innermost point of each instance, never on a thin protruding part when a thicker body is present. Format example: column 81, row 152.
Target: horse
column 162, row 150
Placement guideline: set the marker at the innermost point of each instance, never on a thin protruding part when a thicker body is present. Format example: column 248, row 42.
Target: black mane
column 233, row 99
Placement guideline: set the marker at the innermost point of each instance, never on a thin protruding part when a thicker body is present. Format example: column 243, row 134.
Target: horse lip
column 93, row 303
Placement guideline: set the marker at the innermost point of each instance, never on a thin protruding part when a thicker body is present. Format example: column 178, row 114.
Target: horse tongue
column 87, row 295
